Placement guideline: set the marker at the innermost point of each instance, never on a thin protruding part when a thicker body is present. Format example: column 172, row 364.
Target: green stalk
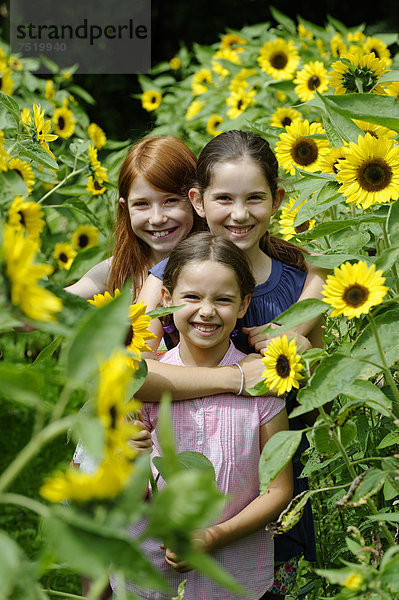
column 371, row 506
column 387, row 246
column 63, row 595
column 32, row 448
column 386, row 369
column 61, row 183
column 25, row 502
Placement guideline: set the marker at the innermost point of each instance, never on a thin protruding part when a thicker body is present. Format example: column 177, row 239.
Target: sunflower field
column 326, row 99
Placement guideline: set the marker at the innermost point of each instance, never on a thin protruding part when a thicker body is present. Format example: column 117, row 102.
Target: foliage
column 65, row 183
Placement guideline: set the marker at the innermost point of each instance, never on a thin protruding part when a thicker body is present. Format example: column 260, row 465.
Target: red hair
column 168, row 165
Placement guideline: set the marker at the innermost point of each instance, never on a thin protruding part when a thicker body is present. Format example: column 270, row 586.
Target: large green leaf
column 188, row 460
column 393, row 224
column 324, row 441
column 276, row 453
column 366, row 348
column 38, row 154
column 100, row 331
column 305, row 310
column 364, row 392
column 383, row 110
column 22, row 384
column 333, row 375
column 346, row 128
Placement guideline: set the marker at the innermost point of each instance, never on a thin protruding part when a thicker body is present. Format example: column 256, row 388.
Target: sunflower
column 239, row 102
column 353, row 581
column 284, row 116
column 356, row 36
column 6, row 82
column 230, row 54
column 353, row 289
column 199, row 79
column 24, row 170
column 239, row 80
column 287, row 219
column 14, row 63
column 4, row 156
column 361, row 75
column 282, row 365
column 85, row 236
column 312, row 77
column 34, row 301
column 100, row 300
column 112, row 408
column 64, row 254
column 195, row 107
column 27, row 216
column 97, row 136
column 375, row 130
column 38, row 128
column 107, row 481
column 64, row 122
column 279, row 59
column 380, row 50
column 95, row 187
column 295, row 149
column 221, row 71
column 370, row 171
column 49, row 91
column 303, row 33
column 337, row 45
column 175, row 63
column 139, row 330
column 150, row 100
column 213, row 123
column 392, row 89
column 99, row 172
column 329, row 164
column 231, row 39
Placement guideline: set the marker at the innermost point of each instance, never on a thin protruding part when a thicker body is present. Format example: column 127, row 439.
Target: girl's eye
column 172, row 200
column 139, row 204
column 256, row 198
column 224, row 199
column 190, row 297
column 224, row 300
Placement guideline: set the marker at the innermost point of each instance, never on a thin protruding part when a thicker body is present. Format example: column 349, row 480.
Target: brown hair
column 239, row 145
column 204, row 246
column 168, row 165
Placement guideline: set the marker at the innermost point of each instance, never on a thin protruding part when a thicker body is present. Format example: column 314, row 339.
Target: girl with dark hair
column 212, row 279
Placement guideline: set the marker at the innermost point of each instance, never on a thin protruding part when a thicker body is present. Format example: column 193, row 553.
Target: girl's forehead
column 246, row 169
column 207, row 272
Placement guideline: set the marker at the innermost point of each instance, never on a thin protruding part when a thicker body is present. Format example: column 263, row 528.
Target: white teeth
column 206, row 328
column 159, row 234
column 240, row 229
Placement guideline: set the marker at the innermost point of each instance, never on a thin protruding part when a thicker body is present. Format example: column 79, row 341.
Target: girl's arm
column 93, row 282
column 150, row 294
column 256, row 515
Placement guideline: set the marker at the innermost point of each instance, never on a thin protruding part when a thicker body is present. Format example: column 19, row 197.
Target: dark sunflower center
column 375, row 52
column 305, row 151
column 283, row 366
column 113, row 414
column 97, row 186
column 153, row 99
column 279, row 60
column 61, row 122
column 313, row 82
column 286, row 122
column 239, row 104
column 83, row 240
column 63, row 257
column 355, row 295
column 129, row 336
column 303, row 227
column 22, row 216
column 375, row 175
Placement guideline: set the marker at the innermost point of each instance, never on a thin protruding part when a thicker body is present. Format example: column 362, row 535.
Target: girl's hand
column 142, row 440
column 260, row 340
column 171, row 558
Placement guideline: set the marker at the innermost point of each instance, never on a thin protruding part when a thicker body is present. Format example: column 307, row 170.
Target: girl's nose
column 207, row 309
column 239, row 212
column 157, row 216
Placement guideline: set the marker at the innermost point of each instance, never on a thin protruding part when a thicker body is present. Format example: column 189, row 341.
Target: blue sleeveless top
column 269, row 300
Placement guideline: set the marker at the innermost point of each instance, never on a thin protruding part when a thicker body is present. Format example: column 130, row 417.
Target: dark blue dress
column 270, row 299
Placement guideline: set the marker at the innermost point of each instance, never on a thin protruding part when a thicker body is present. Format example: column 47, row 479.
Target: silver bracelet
column 242, row 379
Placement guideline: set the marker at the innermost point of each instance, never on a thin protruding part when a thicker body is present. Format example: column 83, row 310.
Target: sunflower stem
column 370, row 503
column 61, row 183
column 25, row 502
column 387, row 246
column 32, row 448
column 386, row 369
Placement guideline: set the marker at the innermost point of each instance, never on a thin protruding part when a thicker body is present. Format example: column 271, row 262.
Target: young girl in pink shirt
column 213, row 281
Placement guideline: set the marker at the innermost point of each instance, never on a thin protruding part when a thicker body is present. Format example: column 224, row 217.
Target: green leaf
column 305, row 310
column 276, row 453
column 139, row 377
column 99, row 332
column 324, row 442
column 161, row 311
column 391, row 439
column 370, row 484
column 345, row 127
column 326, row 194
column 332, row 376
column 383, row 110
column 287, row 23
column 329, row 227
column 22, row 384
column 81, row 207
column 365, row 393
column 85, row 260
column 365, row 347
column 9, row 104
column 393, row 224
column 166, row 438
column 48, row 351
column 330, row 261
column 385, row 516
column 36, row 153
column 188, row 460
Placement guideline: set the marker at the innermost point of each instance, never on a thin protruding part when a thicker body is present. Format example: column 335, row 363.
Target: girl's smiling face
column 158, row 218
column 238, row 203
column 212, row 298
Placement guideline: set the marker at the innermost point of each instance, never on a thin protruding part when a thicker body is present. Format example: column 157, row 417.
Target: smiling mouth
column 162, row 233
column 205, row 328
column 240, row 230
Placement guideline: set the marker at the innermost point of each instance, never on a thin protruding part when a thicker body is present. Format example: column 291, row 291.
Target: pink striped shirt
column 226, row 429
